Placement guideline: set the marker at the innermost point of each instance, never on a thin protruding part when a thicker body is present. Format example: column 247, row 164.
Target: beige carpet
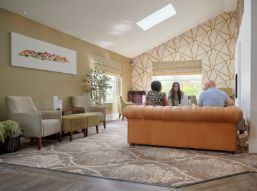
column 108, row 155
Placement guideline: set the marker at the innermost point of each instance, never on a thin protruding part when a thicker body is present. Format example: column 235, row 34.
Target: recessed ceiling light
column 157, row 17
column 24, row 12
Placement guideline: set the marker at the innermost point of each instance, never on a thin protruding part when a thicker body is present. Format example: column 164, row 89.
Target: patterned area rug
column 108, row 155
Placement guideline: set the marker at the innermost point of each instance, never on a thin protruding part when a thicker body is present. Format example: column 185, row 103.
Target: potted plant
column 9, row 136
column 98, row 85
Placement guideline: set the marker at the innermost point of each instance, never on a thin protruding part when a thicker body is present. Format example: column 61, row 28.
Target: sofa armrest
column 30, row 123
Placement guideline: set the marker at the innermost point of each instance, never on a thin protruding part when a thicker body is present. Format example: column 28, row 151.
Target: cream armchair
column 121, row 105
column 85, row 102
column 34, row 123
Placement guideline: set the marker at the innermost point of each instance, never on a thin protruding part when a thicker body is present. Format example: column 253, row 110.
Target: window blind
column 177, row 67
column 107, row 65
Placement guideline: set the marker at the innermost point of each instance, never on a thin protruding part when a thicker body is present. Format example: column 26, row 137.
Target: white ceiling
column 111, row 24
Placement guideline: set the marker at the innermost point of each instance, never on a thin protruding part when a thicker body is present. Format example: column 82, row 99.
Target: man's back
column 213, row 97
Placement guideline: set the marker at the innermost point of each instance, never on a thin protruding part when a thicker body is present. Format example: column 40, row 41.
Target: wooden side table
column 73, row 110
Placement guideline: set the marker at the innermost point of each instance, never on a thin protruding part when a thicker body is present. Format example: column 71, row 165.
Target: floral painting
column 43, row 56
column 32, row 53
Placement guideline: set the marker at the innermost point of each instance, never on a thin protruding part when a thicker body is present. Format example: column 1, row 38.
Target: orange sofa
column 212, row 128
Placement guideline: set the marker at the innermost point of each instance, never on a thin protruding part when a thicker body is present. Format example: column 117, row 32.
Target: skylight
column 157, row 17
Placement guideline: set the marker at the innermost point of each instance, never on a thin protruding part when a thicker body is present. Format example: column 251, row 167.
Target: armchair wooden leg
column 39, row 143
column 85, row 132
column 31, row 140
column 96, row 129
column 122, row 117
column 60, row 136
column 71, row 135
column 119, row 115
column 104, row 122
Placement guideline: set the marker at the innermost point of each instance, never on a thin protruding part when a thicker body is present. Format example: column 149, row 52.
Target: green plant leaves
column 8, row 128
column 98, row 86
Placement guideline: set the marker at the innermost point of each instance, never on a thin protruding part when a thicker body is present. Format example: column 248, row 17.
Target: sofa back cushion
column 205, row 114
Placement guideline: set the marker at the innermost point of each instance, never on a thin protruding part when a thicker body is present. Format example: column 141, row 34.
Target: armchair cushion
column 82, row 101
column 50, row 126
column 85, row 102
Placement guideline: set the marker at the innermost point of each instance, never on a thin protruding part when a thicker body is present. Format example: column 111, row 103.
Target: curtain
column 177, row 67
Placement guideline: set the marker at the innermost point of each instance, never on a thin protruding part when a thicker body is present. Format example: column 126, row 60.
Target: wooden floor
column 13, row 177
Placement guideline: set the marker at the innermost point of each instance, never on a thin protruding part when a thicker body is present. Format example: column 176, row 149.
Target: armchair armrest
column 30, row 123
column 51, row 114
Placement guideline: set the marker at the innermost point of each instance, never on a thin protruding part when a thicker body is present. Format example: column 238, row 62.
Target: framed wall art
column 32, row 53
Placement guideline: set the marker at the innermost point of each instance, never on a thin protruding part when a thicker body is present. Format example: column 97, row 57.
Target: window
column 115, row 89
column 189, row 84
column 157, row 17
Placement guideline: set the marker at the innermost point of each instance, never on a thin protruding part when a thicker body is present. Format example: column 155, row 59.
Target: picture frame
column 33, row 53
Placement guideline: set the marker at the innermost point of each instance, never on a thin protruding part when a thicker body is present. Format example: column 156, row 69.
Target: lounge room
column 79, row 87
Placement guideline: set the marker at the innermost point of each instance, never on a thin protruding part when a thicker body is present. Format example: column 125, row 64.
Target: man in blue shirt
column 214, row 97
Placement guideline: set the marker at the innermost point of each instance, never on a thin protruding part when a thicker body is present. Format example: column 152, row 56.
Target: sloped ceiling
column 111, row 24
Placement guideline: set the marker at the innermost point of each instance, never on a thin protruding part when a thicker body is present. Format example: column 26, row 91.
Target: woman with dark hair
column 156, row 97
column 175, row 95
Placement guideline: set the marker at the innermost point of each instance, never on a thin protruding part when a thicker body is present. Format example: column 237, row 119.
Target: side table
column 73, row 110
column 82, row 121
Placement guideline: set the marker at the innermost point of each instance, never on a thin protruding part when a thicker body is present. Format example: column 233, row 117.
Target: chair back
column 193, row 99
column 122, row 102
column 82, row 101
column 20, row 104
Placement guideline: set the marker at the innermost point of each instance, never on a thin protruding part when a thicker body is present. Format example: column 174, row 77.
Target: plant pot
column 11, row 144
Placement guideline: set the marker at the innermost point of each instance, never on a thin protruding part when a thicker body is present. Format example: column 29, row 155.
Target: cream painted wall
column 42, row 85
column 213, row 42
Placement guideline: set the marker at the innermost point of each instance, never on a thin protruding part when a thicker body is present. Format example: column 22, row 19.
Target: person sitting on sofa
column 213, row 96
column 176, row 95
column 156, row 97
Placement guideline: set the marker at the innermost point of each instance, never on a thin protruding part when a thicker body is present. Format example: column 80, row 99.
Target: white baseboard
column 253, row 146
